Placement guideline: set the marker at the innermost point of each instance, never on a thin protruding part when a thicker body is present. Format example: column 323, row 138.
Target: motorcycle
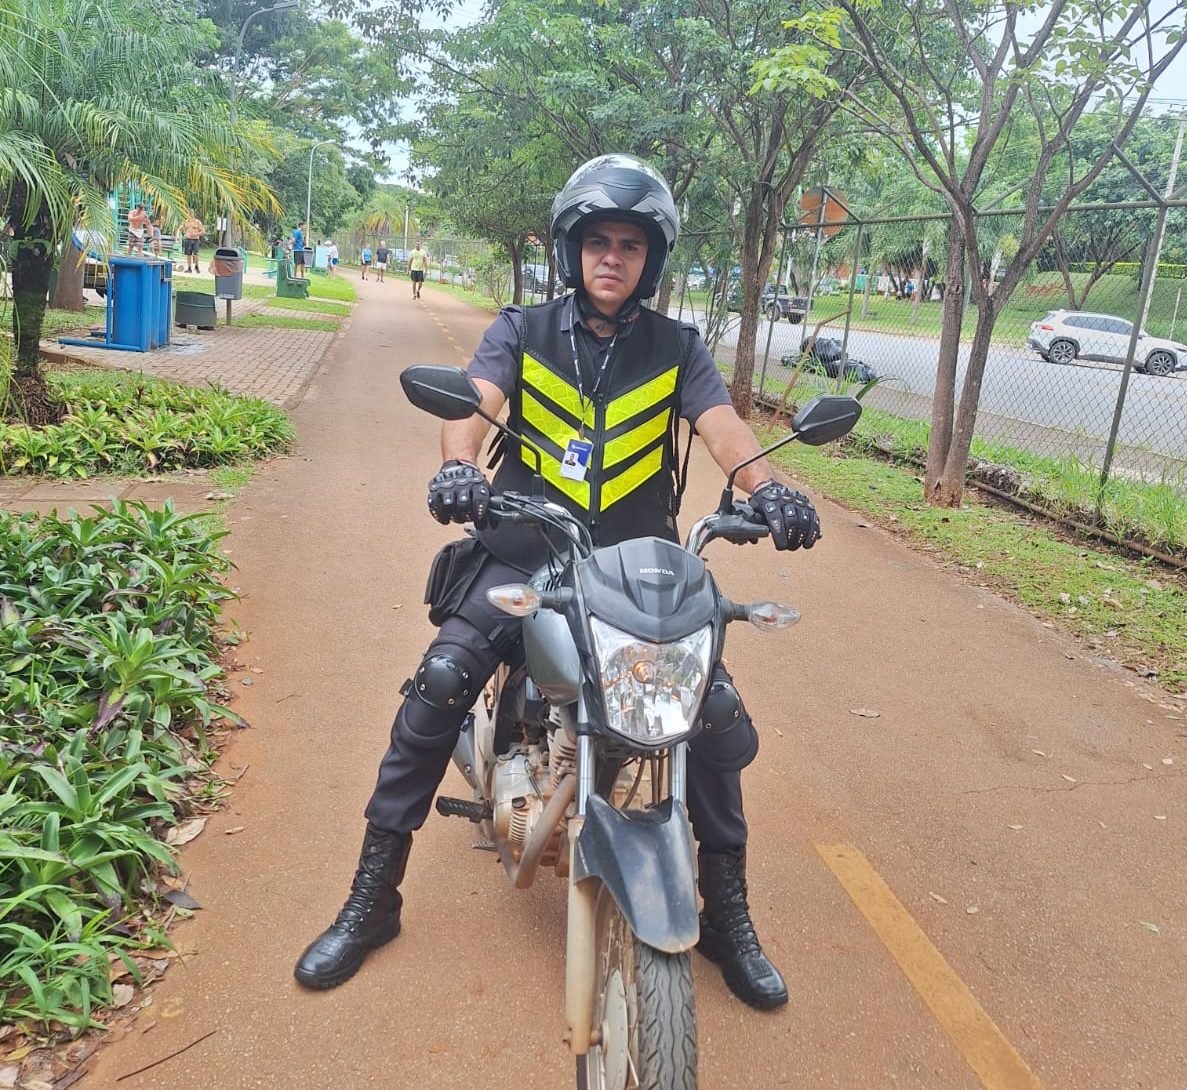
column 577, row 757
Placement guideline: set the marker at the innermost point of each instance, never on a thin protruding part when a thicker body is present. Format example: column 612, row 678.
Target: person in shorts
column 299, row 250
column 365, row 260
column 382, row 255
column 137, row 229
column 154, row 230
column 192, row 230
column 418, row 265
column 332, row 258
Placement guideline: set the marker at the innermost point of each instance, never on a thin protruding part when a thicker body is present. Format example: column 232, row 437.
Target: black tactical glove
column 788, row 514
column 459, row 493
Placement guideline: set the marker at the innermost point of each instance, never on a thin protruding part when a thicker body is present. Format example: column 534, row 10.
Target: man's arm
column 731, row 441
column 461, row 440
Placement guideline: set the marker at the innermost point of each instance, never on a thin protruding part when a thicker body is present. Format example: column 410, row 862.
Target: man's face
column 613, row 254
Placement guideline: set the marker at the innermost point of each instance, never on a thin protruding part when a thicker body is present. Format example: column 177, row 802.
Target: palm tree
column 95, row 94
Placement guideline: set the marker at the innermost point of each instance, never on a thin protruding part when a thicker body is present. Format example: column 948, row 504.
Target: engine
column 524, row 780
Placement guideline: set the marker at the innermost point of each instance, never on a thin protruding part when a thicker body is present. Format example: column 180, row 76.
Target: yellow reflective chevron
column 546, row 422
column 577, row 491
column 557, row 390
column 631, row 404
column 636, row 439
column 630, row 479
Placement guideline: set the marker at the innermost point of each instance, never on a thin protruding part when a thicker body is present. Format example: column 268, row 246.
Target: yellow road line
column 984, row 1047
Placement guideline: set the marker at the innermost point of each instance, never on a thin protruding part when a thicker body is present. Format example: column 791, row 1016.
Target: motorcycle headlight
column 652, row 691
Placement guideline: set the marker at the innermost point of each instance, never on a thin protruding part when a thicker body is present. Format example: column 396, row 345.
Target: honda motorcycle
column 577, row 757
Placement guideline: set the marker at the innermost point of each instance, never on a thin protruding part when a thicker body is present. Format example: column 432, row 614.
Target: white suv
column 1067, row 335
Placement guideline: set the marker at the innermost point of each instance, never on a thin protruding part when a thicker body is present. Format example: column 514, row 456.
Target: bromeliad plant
column 130, row 424
column 107, row 657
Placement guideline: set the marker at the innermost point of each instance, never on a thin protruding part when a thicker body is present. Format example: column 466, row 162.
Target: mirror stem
column 511, row 435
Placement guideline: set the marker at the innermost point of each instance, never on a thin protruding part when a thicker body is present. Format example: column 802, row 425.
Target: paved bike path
column 1001, row 794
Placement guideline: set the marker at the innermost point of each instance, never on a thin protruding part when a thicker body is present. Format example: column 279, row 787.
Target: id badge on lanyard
column 575, row 463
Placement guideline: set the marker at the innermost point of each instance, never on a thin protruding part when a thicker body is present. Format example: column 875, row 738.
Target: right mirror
column 825, row 418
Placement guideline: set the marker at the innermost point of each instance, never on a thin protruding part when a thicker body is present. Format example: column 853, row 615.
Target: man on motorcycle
column 598, row 383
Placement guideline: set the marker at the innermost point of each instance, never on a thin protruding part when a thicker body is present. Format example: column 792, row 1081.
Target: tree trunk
column 663, row 298
column 1064, row 270
column 32, row 263
column 943, row 402
column 756, row 264
column 68, row 290
column 949, row 489
column 515, row 249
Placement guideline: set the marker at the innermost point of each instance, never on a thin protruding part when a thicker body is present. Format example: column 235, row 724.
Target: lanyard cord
column 601, row 371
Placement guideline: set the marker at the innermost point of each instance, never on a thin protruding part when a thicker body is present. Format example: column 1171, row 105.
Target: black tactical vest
column 630, row 485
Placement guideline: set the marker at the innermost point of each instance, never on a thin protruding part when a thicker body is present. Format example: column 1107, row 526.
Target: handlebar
column 740, row 526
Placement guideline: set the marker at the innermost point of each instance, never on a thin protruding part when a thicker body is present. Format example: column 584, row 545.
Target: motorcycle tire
column 644, row 1009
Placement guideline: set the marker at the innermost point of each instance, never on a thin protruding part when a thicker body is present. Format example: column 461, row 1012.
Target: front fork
column 671, row 924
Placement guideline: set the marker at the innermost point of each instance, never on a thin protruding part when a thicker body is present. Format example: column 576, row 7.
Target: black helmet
column 615, row 187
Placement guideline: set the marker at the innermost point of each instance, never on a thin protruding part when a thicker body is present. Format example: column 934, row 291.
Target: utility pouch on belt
column 453, row 572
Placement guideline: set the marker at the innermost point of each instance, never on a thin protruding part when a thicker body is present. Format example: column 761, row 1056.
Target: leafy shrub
column 107, row 657
column 131, row 424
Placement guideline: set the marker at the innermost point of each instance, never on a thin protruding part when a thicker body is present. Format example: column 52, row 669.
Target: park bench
column 287, row 285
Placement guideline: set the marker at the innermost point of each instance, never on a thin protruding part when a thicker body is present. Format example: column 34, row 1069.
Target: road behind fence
column 1062, row 377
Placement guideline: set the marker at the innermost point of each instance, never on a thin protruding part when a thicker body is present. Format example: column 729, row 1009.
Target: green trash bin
column 195, row 308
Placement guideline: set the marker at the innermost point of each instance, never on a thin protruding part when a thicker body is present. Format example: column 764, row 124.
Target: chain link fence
column 1065, row 380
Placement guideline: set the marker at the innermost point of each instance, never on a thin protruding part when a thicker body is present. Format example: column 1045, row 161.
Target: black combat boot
column 727, row 932
column 370, row 917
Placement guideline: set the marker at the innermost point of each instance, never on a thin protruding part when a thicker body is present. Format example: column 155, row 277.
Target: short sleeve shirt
column 497, row 361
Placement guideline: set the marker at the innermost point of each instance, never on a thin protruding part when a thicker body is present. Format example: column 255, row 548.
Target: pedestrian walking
column 332, row 258
column 418, row 265
column 382, row 256
column 365, row 260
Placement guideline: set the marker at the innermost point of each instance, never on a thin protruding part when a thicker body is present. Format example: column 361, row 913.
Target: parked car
column 774, row 305
column 1064, row 336
column 535, row 279
column 824, row 358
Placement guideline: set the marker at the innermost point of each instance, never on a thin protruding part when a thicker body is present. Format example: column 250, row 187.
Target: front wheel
column 773, row 312
column 644, row 1013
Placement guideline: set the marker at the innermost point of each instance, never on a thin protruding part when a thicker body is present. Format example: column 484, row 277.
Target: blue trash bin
column 141, row 302
column 164, row 324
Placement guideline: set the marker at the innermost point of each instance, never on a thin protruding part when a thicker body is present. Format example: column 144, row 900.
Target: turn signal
column 768, row 616
column 517, row 599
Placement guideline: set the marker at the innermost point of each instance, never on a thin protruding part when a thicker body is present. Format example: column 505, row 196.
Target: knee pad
column 448, row 678
column 722, row 707
column 728, row 741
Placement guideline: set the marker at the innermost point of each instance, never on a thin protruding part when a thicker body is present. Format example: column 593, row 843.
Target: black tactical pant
column 423, row 736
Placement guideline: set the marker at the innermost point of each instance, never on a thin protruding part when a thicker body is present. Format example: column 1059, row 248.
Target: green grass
column 1134, row 611
column 311, row 306
column 276, row 321
column 232, row 478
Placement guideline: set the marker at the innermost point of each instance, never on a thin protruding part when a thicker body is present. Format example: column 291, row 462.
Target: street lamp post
column 309, row 187
column 233, row 98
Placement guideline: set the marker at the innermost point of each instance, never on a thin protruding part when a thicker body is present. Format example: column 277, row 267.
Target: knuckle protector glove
column 459, row 493
column 789, row 515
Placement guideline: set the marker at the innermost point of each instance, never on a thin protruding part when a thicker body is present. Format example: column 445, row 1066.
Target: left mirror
column 445, row 392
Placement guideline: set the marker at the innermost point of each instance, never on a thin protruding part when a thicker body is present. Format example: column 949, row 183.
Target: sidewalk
column 267, row 362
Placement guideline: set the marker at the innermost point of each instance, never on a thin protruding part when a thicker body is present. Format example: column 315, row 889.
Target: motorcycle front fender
column 645, row 859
